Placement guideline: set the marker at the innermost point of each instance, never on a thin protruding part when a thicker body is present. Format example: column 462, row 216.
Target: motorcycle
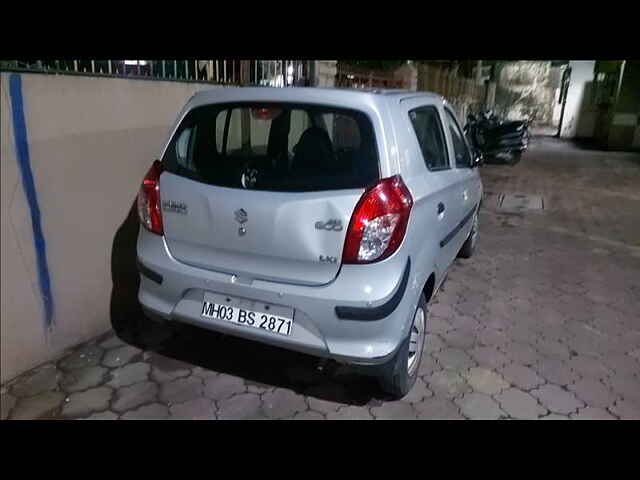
column 494, row 137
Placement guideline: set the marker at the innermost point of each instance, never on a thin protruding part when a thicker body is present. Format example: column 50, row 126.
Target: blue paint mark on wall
column 24, row 162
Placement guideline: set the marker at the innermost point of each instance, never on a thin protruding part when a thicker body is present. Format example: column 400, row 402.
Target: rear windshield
column 281, row 147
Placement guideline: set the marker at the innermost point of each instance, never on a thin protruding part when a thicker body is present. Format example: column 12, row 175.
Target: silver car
column 317, row 220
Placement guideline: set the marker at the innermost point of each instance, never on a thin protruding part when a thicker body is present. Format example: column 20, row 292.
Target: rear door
column 467, row 180
column 433, row 184
column 266, row 191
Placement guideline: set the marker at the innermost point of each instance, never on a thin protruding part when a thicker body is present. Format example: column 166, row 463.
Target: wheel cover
column 416, row 341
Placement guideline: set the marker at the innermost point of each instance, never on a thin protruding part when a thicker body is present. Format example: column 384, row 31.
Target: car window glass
column 460, row 149
column 258, row 133
column 184, row 147
column 428, row 129
column 326, row 121
column 234, row 134
column 181, row 146
column 343, row 130
column 220, row 122
column 279, row 146
column 299, row 123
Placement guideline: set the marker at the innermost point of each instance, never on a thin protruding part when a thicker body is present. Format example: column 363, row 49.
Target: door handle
column 440, row 208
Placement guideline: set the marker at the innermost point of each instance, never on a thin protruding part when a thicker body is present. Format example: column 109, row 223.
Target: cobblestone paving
column 542, row 323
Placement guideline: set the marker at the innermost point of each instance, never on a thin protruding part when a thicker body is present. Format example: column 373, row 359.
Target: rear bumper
column 361, row 317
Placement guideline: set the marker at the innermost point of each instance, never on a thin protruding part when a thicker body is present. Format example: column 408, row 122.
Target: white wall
column 579, row 113
column 91, row 140
column 528, row 89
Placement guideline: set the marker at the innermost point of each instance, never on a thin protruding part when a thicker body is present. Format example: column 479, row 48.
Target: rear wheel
column 398, row 376
column 469, row 245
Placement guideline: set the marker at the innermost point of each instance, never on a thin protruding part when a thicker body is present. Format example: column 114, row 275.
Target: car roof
column 340, row 96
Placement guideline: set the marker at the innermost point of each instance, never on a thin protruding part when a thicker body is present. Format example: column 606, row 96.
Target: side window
column 234, row 135
column 184, row 147
column 345, row 132
column 428, row 129
column 259, row 134
column 299, row 122
column 460, row 149
column 221, row 118
column 245, row 133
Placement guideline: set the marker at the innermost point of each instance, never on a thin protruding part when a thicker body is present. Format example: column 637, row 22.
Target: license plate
column 270, row 320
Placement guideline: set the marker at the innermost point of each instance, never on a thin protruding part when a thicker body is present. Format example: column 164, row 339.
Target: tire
column 398, row 376
column 469, row 245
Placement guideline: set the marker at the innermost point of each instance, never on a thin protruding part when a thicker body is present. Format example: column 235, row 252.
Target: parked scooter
column 494, row 137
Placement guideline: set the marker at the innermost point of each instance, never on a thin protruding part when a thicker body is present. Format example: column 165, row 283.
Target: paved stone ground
column 543, row 322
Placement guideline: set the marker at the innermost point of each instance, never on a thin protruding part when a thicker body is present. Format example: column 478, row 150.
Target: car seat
column 314, row 151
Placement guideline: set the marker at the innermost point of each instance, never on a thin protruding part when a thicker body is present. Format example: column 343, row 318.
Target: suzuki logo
column 241, row 218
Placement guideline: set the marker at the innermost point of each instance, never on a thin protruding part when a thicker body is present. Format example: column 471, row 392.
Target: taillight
column 379, row 222
column 149, row 200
